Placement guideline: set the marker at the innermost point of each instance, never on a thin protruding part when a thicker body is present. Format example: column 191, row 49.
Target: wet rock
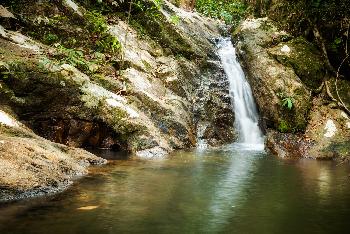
column 327, row 136
column 271, row 81
column 305, row 59
column 153, row 153
column 287, row 145
column 149, row 98
column 212, row 106
column 283, row 69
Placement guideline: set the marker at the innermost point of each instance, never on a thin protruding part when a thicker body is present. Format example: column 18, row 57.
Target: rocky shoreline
column 32, row 166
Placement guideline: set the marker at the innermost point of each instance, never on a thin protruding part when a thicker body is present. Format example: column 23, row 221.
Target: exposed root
column 321, row 44
column 336, row 86
column 339, row 102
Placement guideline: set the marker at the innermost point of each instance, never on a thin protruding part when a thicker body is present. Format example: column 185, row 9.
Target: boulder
column 273, row 83
column 31, row 165
column 286, row 75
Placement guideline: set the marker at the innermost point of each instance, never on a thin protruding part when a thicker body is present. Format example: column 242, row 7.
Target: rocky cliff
column 99, row 74
column 297, row 95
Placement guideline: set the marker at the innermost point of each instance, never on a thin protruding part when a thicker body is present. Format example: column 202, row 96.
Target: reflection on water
column 227, row 190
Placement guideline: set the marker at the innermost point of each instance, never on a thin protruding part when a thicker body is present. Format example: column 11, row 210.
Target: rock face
column 152, row 94
column 271, row 81
column 31, row 165
column 286, row 74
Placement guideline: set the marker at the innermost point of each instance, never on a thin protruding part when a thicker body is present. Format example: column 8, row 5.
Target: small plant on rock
column 50, row 38
column 96, row 22
column 288, row 103
column 108, row 43
column 175, row 19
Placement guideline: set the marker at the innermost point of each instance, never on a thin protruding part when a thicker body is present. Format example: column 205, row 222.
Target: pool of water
column 226, row 190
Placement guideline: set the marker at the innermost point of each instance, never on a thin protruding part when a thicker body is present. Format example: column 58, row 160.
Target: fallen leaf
column 87, row 208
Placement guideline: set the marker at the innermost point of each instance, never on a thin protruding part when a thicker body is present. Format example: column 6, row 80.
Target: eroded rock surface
column 152, row 94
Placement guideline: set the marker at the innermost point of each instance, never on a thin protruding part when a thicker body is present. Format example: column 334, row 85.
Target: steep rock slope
column 88, row 74
column 299, row 114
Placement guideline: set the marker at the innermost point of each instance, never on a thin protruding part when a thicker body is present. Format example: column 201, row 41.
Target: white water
column 246, row 114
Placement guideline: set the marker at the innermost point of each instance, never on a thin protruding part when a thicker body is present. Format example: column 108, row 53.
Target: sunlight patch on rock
column 74, row 6
column 114, row 103
column 330, row 129
column 285, row 49
column 7, row 119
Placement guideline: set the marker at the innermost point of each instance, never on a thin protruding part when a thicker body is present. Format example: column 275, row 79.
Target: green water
column 227, row 190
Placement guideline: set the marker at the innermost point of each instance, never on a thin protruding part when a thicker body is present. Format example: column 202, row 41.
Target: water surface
column 227, row 190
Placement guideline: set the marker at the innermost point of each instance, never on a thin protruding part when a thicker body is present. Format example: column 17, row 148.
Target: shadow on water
column 225, row 190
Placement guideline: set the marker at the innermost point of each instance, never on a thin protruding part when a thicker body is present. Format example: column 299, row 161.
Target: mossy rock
column 339, row 149
column 305, row 59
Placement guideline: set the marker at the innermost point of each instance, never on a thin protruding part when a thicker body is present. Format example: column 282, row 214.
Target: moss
column 292, row 121
column 305, row 59
column 341, row 149
column 140, row 142
column 50, row 38
column 147, row 65
column 152, row 23
column 109, row 83
column 16, row 132
column 284, row 127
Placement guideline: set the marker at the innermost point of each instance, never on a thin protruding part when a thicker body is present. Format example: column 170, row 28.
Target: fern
column 288, row 102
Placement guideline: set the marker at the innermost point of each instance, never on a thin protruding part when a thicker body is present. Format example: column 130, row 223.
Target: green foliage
column 44, row 63
column 73, row 57
column 141, row 5
column 316, row 3
column 50, row 38
column 336, row 44
column 288, row 103
column 158, row 3
column 96, row 22
column 108, row 43
column 283, row 126
column 231, row 11
column 151, row 9
column 77, row 59
column 175, row 19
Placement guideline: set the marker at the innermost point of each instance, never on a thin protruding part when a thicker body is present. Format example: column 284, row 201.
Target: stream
column 226, row 190
column 238, row 188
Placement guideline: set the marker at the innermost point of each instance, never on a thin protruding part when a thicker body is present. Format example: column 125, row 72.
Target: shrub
column 231, row 11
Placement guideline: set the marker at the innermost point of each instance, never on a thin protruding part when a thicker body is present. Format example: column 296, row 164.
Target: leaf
column 87, row 208
column 287, row 102
column 337, row 41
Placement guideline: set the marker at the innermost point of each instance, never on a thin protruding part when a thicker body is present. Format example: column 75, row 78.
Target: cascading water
column 246, row 115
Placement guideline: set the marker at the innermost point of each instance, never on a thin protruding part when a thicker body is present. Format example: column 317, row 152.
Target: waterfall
column 244, row 107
